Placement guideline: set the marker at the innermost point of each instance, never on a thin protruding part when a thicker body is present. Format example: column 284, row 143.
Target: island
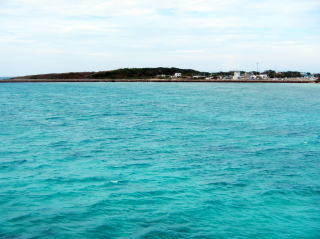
column 173, row 74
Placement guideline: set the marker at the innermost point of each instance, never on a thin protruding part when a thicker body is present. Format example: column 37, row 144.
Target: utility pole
column 258, row 67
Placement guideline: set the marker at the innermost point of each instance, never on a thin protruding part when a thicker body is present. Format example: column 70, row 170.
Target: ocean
column 159, row 160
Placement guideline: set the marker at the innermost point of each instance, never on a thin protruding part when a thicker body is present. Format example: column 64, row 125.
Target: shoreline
column 186, row 80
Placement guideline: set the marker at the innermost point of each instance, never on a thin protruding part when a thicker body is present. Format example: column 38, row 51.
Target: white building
column 177, row 75
column 236, row 75
column 252, row 77
column 263, row 76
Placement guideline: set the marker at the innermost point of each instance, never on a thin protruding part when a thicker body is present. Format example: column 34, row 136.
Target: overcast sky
column 44, row 36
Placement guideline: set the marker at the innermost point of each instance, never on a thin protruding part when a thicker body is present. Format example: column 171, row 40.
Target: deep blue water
column 159, row 160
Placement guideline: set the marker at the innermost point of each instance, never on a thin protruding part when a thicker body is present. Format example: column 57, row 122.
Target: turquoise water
column 159, row 160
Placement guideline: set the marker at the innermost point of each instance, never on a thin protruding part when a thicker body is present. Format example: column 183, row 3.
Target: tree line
column 146, row 73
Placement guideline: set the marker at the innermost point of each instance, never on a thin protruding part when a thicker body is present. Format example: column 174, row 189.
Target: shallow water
column 160, row 160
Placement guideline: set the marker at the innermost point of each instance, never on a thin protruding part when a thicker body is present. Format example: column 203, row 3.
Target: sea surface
column 159, row 160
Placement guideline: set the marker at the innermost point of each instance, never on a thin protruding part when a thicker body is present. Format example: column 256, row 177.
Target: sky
column 46, row 36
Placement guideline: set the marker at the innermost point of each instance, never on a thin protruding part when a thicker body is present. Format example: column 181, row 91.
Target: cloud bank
column 42, row 36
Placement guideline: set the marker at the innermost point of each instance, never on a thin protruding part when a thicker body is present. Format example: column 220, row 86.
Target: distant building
column 307, row 75
column 163, row 76
column 263, row 76
column 177, row 75
column 227, row 78
column 252, row 77
column 237, row 75
column 199, row 77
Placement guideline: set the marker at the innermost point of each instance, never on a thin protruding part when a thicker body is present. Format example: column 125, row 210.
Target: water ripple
column 155, row 161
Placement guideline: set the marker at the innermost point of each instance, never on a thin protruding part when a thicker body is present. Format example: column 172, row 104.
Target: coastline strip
column 150, row 80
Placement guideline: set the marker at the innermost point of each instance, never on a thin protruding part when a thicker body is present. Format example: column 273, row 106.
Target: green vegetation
column 287, row 74
column 71, row 75
column 136, row 73
column 224, row 73
column 126, row 73
column 163, row 72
